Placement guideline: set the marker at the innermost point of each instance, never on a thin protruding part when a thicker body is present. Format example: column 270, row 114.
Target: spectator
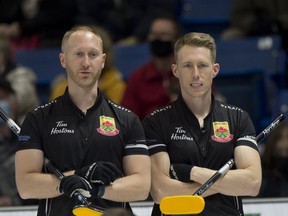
column 275, row 164
column 147, row 87
column 258, row 17
column 22, row 80
column 13, row 12
column 8, row 191
column 111, row 83
column 47, row 19
column 148, row 11
column 127, row 21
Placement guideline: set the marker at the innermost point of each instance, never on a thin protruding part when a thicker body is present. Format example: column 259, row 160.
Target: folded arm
column 163, row 185
column 245, row 180
column 31, row 182
column 135, row 185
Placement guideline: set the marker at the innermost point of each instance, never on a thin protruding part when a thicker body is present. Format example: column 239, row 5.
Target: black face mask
column 281, row 164
column 161, row 48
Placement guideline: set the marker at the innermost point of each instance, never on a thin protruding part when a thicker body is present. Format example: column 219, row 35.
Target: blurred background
column 252, row 48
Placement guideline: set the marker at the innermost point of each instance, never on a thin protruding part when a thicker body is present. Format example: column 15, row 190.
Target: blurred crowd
column 42, row 23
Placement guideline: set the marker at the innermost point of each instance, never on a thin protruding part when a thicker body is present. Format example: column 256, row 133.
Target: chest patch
column 107, row 126
column 221, row 132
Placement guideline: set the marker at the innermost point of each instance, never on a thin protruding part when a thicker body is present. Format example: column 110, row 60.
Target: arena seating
column 263, row 53
column 44, row 62
column 129, row 58
column 204, row 15
column 202, row 12
column 46, row 65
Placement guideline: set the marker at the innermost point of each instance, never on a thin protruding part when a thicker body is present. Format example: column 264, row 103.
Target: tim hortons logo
column 180, row 134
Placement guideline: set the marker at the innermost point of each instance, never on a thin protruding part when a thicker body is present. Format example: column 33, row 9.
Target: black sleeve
column 153, row 133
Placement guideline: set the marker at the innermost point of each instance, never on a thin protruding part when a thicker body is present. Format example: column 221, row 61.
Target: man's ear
column 62, row 60
column 174, row 69
column 103, row 59
column 216, row 70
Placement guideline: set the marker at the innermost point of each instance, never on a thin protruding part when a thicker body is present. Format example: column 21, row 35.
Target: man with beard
column 93, row 141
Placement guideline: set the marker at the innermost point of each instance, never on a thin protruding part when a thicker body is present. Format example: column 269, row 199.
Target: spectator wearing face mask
column 275, row 164
column 148, row 86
